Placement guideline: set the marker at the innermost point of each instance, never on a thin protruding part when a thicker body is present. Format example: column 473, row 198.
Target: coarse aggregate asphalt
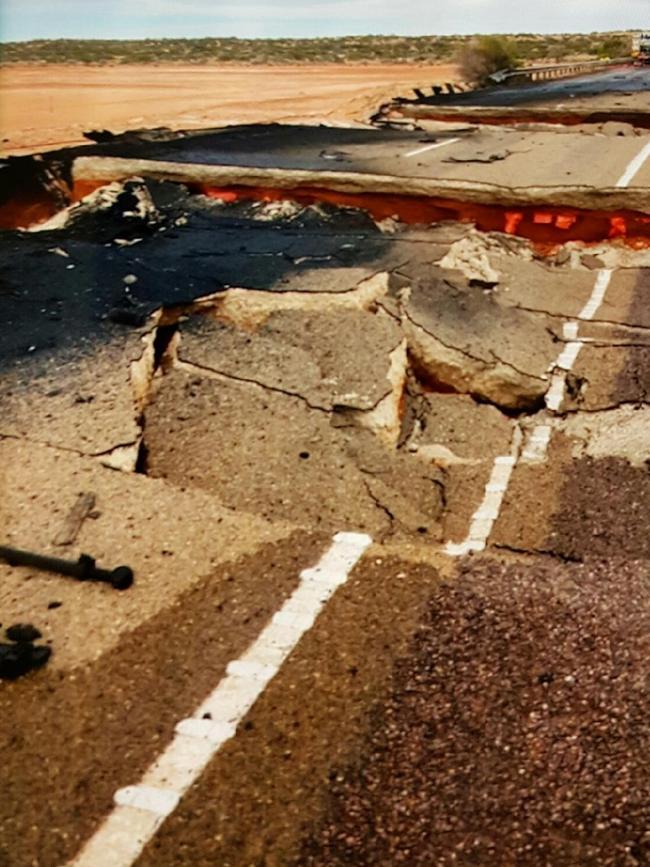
column 515, row 731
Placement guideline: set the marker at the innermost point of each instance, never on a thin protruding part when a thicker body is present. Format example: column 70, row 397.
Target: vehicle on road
column 641, row 49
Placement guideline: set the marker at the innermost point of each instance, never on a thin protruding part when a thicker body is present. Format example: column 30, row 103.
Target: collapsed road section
column 292, row 375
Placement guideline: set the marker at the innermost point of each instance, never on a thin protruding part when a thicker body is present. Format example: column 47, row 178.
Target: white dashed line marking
column 555, row 394
column 438, row 144
column 567, row 358
column 484, row 517
column 597, row 296
column 536, row 447
column 630, row 172
column 142, row 808
column 161, row 802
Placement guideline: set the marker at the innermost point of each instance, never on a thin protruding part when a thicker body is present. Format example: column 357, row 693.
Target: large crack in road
column 234, row 381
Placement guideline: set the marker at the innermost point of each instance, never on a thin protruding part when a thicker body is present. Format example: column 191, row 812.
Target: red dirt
column 552, row 225
column 44, row 107
column 547, row 227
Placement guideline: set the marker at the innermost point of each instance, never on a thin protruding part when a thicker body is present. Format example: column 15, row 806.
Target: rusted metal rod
column 83, row 569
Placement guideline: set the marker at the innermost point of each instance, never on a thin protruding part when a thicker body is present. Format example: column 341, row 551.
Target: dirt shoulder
column 48, row 106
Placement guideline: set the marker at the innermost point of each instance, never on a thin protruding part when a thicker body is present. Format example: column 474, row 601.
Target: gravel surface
column 604, row 511
column 516, row 732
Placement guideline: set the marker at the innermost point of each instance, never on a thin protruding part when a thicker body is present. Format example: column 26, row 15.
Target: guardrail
column 547, row 73
column 443, row 93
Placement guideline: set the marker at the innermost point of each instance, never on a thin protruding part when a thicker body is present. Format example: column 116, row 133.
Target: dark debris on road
column 22, row 656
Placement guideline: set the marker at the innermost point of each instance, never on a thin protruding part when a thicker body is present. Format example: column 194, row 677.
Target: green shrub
column 481, row 57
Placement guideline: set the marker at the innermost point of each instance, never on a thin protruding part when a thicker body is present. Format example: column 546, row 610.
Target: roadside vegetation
column 528, row 48
column 479, row 58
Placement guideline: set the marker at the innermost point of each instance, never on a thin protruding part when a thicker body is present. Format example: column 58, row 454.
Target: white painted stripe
column 181, row 763
column 570, row 330
column 231, row 700
column 140, row 809
column 484, row 517
column 535, row 449
column 162, row 802
column 555, row 395
column 567, row 358
column 634, row 166
column 438, row 144
column 245, row 668
column 213, row 731
column 597, row 296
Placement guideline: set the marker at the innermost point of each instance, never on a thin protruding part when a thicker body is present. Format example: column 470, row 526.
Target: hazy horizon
column 24, row 20
column 301, row 38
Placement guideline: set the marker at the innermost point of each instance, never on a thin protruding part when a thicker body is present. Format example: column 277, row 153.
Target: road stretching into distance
column 383, row 485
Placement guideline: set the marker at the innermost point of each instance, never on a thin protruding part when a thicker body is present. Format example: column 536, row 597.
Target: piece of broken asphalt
column 22, row 655
column 23, row 632
column 83, row 569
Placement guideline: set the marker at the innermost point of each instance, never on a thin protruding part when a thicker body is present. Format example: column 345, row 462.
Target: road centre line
column 484, row 517
column 536, row 448
column 439, row 144
column 141, row 809
column 634, row 166
column 567, row 358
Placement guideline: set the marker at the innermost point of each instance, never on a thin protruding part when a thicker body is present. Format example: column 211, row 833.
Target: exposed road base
column 102, row 170
column 514, row 116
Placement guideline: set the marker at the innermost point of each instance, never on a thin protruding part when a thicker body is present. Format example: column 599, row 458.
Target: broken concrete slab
column 567, row 116
column 263, row 451
column 454, row 429
column 373, row 161
column 614, row 254
column 272, row 454
column 250, row 308
column 539, row 286
column 461, row 338
column 87, row 402
column 485, row 190
column 470, row 256
column 463, row 438
column 607, row 376
column 623, row 432
column 128, row 203
column 329, row 359
column 74, row 285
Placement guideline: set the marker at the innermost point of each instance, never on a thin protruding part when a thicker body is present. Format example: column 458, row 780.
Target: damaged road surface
column 366, row 414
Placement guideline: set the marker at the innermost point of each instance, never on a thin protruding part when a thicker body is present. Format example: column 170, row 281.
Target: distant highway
column 624, row 79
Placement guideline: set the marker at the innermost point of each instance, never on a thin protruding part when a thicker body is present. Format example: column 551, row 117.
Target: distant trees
column 481, row 57
column 478, row 56
column 615, row 46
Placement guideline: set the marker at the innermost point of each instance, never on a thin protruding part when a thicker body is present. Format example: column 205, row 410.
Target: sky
column 134, row 19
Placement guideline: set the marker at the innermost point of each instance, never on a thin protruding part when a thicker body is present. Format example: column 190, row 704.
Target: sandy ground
column 48, row 106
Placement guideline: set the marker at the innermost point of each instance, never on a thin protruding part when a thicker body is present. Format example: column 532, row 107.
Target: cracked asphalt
column 231, row 383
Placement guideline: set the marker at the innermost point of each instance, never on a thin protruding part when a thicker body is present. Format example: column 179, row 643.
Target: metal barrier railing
column 547, row 73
